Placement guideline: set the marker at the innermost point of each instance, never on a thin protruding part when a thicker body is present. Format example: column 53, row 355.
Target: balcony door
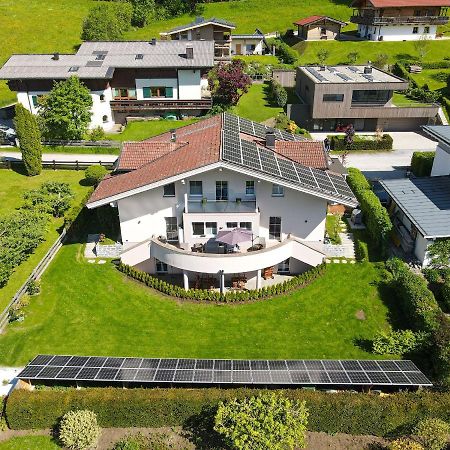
column 172, row 229
column 221, row 190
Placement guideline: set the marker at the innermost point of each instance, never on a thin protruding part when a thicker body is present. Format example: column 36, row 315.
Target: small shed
column 316, row 28
column 249, row 44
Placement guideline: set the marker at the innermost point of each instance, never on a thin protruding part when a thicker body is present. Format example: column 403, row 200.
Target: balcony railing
column 148, row 105
column 222, row 207
column 399, row 20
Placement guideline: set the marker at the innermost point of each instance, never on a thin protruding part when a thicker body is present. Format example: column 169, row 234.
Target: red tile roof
column 307, row 153
column 313, row 19
column 136, row 154
column 403, row 3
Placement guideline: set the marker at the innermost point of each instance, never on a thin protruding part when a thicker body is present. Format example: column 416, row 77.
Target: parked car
column 7, row 135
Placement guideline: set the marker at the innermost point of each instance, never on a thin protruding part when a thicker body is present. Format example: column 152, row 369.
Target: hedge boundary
column 338, row 143
column 296, row 282
column 343, row 412
column 422, row 163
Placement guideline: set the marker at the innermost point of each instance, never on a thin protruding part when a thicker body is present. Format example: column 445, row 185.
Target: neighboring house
column 175, row 192
column 126, row 79
column 420, row 207
column 249, row 44
column 394, row 20
column 336, row 96
column 216, row 30
column 315, row 28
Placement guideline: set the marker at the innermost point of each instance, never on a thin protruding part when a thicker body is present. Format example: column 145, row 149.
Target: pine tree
column 29, row 136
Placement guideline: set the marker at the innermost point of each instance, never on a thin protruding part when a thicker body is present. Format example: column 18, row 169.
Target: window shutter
column 169, row 92
column 146, row 92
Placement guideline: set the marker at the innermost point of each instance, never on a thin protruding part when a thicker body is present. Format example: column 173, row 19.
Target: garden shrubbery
column 285, row 53
column 296, row 282
column 398, row 342
column 359, row 143
column 78, row 430
column 342, row 412
column 422, row 163
column 52, row 197
column 94, row 174
column 432, row 433
column 278, row 93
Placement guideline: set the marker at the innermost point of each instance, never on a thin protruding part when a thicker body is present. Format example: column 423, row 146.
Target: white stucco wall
column 441, row 163
column 189, row 84
column 420, row 249
column 156, row 82
column 398, row 32
column 257, row 42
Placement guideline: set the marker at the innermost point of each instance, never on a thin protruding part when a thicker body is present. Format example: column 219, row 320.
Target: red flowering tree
column 228, row 82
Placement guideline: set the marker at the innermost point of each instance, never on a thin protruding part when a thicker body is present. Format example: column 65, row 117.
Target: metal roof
column 201, row 22
column 425, row 201
column 439, row 132
column 97, row 60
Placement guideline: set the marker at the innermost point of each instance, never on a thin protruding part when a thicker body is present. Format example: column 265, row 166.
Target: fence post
column 77, row 164
column 54, row 165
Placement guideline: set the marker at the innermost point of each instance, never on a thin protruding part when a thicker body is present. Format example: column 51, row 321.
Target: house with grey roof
column 213, row 29
column 441, row 163
column 126, row 79
column 249, row 44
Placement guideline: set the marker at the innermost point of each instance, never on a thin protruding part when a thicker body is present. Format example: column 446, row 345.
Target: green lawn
column 81, row 150
column 402, row 100
column 428, row 76
column 255, row 104
column 138, row 131
column 332, row 227
column 12, row 187
column 95, row 310
column 29, row 443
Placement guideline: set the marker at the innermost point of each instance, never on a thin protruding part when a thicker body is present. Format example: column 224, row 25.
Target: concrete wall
column 420, row 249
column 286, row 78
column 189, row 84
column 156, row 82
column 441, row 163
column 257, row 42
column 396, row 32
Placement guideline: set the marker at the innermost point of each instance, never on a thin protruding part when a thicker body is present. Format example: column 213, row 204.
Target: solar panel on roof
column 269, row 162
column 259, row 365
column 126, row 374
column 59, row 361
column 261, row 376
column 184, row 375
column 222, row 364
column 241, row 376
column 186, row 364
column 342, row 76
column 168, row 364
column 68, row 372
column 164, row 375
column 316, row 74
column 145, row 375
column 203, row 376
column 353, row 69
column 94, row 64
column 132, row 363
column 241, row 364
column 106, row 374
column 368, row 77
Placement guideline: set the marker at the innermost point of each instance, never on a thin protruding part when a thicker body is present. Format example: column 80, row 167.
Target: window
column 195, row 188
column 102, row 97
column 124, row 94
column 275, row 228
column 100, row 57
column 277, row 190
column 246, row 226
column 232, row 225
column 211, row 228
column 333, row 97
column 169, row 190
column 370, row 96
column 184, row 36
column 157, row 92
column 283, row 267
column 249, row 188
column 426, row 30
column 323, row 31
column 221, row 190
column 105, row 119
column 415, row 30
column 198, row 228
column 161, row 267
column 171, row 229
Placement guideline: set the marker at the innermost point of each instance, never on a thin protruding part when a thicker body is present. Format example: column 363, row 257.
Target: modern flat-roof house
column 216, row 30
column 179, row 192
column 334, row 97
column 126, row 79
column 249, row 44
column 420, row 207
column 399, row 20
column 316, row 28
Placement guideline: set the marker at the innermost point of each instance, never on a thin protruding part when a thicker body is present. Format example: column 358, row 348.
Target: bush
column 278, row 93
column 422, row 94
column 440, row 351
column 343, row 412
column 267, row 421
column 34, row 287
column 94, row 174
column 445, row 294
column 360, row 143
column 400, row 70
column 361, row 251
column 398, row 342
column 405, row 444
column 422, row 163
column 97, row 134
column 285, row 53
column 133, row 442
column 79, row 429
column 433, row 433
column 52, row 197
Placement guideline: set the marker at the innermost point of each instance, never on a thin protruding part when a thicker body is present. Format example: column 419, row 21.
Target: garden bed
column 361, row 142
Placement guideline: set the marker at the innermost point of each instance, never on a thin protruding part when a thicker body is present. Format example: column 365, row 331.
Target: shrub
column 361, row 250
column 440, row 351
column 400, row 70
column 142, row 10
column 439, row 253
column 94, row 174
column 433, row 433
column 342, row 412
column 445, row 294
column 29, row 136
column 52, row 197
column 34, row 287
column 322, row 55
column 422, row 163
column 133, row 442
column 360, row 143
column 79, row 429
column 97, row 134
column 398, row 342
column 285, row 53
column 267, row 421
column 278, row 93
column 422, row 95
column 405, row 444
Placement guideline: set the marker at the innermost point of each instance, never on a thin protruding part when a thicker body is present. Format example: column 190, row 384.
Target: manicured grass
column 256, row 105
column 262, row 59
column 427, row 76
column 81, row 150
column 12, row 187
column 138, row 131
column 402, row 101
column 93, row 309
column 29, row 443
column 332, row 227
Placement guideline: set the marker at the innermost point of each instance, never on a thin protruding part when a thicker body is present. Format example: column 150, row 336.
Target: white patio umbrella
column 233, row 237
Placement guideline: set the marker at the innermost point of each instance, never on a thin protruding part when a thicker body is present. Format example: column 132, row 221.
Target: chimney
column 270, row 138
column 368, row 68
column 153, row 41
column 173, row 135
column 189, row 52
column 55, row 57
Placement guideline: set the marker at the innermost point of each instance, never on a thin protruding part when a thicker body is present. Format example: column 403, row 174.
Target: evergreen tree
column 29, row 136
column 142, row 10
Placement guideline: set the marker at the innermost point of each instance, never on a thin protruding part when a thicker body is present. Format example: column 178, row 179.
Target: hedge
column 446, row 104
column 71, row 215
column 422, row 163
column 330, row 413
column 401, row 71
column 378, row 222
column 338, row 143
column 296, row 282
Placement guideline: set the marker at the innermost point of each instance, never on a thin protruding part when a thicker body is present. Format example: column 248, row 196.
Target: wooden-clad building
column 315, row 28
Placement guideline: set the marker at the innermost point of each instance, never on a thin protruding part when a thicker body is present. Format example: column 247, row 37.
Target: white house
column 420, row 207
column 249, row 44
column 126, row 79
column 177, row 191
column 394, row 20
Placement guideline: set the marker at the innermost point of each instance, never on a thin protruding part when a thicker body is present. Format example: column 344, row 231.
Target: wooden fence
column 6, row 163
column 83, row 143
column 36, row 274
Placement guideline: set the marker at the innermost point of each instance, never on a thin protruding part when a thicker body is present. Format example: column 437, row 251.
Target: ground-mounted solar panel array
column 345, row 373
column 256, row 158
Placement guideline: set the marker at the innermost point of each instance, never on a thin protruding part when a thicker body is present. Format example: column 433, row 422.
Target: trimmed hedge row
column 401, row 71
column 331, row 413
column 338, row 143
column 71, row 215
column 377, row 219
column 296, row 282
column 422, row 163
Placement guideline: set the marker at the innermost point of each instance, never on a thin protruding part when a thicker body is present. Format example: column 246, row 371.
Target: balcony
column 368, row 19
column 218, row 207
column 159, row 105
